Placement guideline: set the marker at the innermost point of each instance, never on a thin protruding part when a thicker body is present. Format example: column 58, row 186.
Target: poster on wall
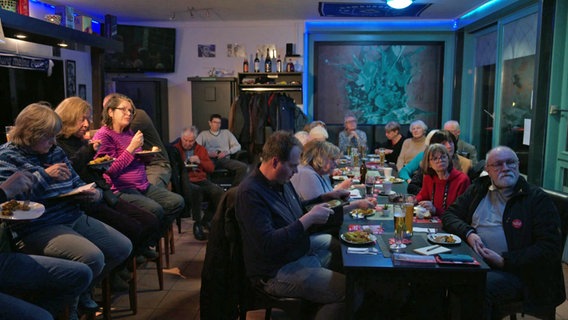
column 378, row 82
column 82, row 92
column 206, row 50
column 70, row 78
column 235, row 50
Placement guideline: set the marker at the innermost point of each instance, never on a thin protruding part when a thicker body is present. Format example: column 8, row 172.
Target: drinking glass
column 381, row 155
column 409, row 200
column 399, row 229
column 369, row 183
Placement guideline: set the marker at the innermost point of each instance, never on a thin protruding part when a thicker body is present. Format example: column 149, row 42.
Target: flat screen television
column 146, row 49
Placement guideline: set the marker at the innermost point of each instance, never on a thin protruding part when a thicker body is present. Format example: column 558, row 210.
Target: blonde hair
column 71, row 111
column 318, row 133
column 34, row 123
column 316, row 153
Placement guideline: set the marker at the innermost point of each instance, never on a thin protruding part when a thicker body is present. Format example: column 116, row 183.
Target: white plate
column 432, row 238
column 372, row 238
column 147, row 152
column 36, row 210
column 77, row 190
column 357, row 213
column 387, row 194
column 339, row 178
column 101, row 165
column 191, row 165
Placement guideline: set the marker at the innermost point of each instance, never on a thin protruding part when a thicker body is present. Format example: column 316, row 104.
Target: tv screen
column 146, row 49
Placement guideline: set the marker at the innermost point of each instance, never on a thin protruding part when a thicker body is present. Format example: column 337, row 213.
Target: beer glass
column 399, row 229
column 409, row 200
column 382, row 156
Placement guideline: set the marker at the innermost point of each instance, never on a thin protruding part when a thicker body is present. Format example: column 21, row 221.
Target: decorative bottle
column 256, row 63
column 278, row 65
column 267, row 62
column 246, row 65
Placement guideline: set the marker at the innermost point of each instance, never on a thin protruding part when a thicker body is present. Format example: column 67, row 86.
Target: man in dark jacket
column 515, row 227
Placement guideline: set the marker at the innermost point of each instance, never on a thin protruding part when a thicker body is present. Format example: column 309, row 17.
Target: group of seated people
column 50, row 264
column 510, row 223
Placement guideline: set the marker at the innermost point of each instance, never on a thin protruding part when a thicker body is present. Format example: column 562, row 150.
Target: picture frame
column 70, row 78
column 82, row 91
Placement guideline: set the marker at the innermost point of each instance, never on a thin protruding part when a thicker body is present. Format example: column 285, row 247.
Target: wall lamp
column 399, row 4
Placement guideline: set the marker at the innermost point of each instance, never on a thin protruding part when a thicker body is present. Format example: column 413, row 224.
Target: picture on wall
column 378, row 82
column 206, row 50
column 82, row 92
column 70, row 78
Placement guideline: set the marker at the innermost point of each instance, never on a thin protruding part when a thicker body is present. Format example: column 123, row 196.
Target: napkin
column 431, row 250
column 370, row 250
column 421, row 229
column 355, row 194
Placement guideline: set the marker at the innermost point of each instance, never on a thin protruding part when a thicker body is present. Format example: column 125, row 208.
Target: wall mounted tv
column 146, row 49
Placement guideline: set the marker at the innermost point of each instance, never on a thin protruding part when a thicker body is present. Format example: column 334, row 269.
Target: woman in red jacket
column 442, row 183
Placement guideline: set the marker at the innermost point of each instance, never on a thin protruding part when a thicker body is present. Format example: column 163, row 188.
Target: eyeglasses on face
column 511, row 164
column 126, row 110
column 442, row 157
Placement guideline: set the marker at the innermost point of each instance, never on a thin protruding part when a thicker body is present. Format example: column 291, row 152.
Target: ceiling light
column 20, row 36
column 62, row 44
column 399, row 4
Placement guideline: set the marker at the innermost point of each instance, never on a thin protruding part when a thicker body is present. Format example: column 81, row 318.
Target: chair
column 561, row 202
column 225, row 289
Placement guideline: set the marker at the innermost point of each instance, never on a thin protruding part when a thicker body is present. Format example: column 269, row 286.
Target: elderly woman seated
column 312, row 180
column 63, row 231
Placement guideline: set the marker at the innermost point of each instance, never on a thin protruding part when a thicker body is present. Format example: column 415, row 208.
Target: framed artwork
column 70, row 78
column 82, row 91
column 378, row 81
column 206, row 51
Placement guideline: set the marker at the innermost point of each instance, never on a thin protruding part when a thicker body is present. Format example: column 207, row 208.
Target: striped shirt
column 127, row 171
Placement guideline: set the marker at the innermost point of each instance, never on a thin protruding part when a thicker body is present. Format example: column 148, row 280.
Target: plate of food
column 154, row 150
column 358, row 237
column 20, row 210
column 336, row 203
column 395, row 180
column 339, row 178
column 444, row 238
column 362, row 213
column 101, row 162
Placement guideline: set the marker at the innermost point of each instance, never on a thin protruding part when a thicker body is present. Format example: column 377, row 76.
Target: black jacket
column 532, row 229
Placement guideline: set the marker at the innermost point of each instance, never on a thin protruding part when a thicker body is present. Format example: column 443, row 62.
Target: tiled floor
column 180, row 298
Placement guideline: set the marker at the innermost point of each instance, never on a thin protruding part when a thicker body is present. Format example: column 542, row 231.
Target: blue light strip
column 377, row 26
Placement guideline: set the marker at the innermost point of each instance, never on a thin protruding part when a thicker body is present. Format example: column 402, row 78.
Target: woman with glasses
column 127, row 174
column 442, row 183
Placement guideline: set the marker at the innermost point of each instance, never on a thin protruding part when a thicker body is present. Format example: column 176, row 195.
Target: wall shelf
column 47, row 33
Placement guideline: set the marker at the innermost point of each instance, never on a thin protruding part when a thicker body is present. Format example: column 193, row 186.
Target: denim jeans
column 86, row 240
column 54, row 283
column 501, row 288
column 308, row 278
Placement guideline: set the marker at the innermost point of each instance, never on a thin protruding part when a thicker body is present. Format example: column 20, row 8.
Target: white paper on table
column 527, row 132
column 422, row 229
column 355, row 194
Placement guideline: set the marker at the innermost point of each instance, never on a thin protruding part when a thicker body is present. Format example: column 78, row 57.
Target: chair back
column 561, row 202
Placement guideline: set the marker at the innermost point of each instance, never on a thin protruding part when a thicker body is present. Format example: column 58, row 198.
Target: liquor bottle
column 363, row 170
column 256, row 63
column 279, row 65
column 290, row 66
column 246, row 65
column 267, row 62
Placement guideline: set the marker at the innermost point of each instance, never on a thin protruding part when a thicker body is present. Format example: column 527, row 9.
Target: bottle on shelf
column 279, row 65
column 267, row 62
column 246, row 65
column 290, row 66
column 256, row 63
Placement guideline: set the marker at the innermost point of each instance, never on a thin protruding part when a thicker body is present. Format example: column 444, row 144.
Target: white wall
column 188, row 64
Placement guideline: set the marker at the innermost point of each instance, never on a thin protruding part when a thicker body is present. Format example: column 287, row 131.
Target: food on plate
column 100, row 159
column 155, row 149
column 363, row 212
column 358, row 236
column 9, row 207
column 445, row 239
column 334, row 203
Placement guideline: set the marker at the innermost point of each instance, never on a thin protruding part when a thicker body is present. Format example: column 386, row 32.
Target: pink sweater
column 127, row 171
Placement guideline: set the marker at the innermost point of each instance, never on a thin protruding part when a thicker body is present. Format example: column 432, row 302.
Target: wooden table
column 382, row 269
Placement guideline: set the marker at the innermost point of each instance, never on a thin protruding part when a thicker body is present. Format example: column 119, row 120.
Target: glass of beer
column 382, row 156
column 409, row 200
column 8, row 129
column 399, row 229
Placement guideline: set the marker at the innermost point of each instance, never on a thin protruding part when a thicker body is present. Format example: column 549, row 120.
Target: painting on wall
column 82, row 92
column 378, row 82
column 206, row 50
column 70, row 78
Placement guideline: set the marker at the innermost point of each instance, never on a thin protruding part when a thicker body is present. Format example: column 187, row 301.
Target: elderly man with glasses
column 515, row 227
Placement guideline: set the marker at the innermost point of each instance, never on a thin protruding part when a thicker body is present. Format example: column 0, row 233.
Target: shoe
column 198, row 232
column 150, row 254
column 117, row 284
column 140, row 259
column 124, row 274
column 87, row 303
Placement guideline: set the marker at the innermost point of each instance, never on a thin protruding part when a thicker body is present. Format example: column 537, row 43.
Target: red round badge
column 517, row 223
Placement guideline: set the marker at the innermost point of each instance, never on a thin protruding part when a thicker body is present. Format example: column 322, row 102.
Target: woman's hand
column 136, row 142
column 95, row 143
column 428, row 205
column 58, row 171
column 345, row 184
column 364, row 203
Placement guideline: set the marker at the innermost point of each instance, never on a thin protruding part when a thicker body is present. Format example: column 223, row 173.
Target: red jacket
column 205, row 166
column 458, row 183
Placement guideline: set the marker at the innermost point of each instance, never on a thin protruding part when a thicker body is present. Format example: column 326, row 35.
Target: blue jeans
column 501, row 288
column 159, row 201
column 308, row 278
column 86, row 240
column 54, row 283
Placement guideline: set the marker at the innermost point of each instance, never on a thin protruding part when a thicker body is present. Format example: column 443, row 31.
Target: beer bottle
column 363, row 170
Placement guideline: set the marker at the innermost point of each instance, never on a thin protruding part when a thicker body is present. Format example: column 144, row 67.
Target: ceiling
column 241, row 10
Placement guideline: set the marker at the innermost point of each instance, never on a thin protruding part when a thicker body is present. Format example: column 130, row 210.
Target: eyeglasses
column 126, row 111
column 511, row 164
column 440, row 158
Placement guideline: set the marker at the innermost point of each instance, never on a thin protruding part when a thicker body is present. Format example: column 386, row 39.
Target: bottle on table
column 256, row 63
column 267, row 62
column 363, row 172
